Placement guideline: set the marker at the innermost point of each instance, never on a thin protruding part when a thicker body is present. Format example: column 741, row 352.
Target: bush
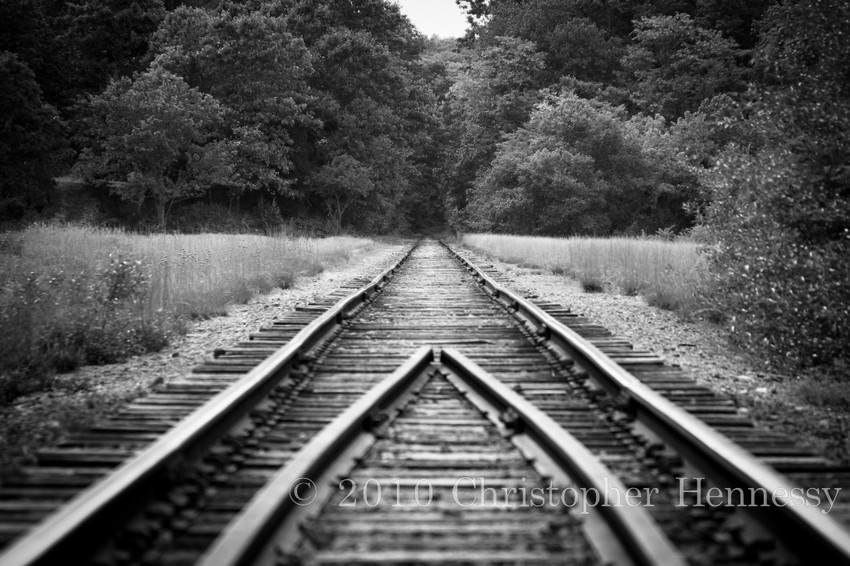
column 55, row 319
column 787, row 292
column 72, row 295
column 780, row 216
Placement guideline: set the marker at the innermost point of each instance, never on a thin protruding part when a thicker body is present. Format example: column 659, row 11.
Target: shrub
column 824, row 393
column 71, row 296
column 780, row 216
column 592, row 284
column 56, row 319
column 788, row 292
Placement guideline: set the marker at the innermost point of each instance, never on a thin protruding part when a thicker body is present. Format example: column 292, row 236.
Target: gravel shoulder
column 79, row 398
column 703, row 351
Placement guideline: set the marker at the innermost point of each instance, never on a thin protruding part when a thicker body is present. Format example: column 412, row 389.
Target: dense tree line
column 730, row 118
column 553, row 117
column 180, row 112
column 291, row 108
column 611, row 132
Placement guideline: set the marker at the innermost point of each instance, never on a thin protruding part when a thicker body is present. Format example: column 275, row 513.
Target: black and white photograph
column 424, row 282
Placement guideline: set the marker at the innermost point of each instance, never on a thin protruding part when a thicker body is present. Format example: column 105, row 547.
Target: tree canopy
column 555, row 117
column 31, row 140
column 153, row 137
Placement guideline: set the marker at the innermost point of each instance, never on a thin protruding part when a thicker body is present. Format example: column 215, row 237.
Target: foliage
column 735, row 20
column 379, row 19
column 298, row 86
column 203, row 217
column 781, row 215
column 70, row 296
column 700, row 137
column 340, row 183
column 31, row 135
column 154, row 138
column 257, row 70
column 493, row 96
column 572, row 42
column 477, row 11
column 56, row 315
column 577, row 167
column 678, row 64
column 106, row 39
column 375, row 114
column 26, row 31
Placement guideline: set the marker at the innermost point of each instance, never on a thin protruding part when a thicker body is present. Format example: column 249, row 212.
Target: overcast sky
column 435, row 17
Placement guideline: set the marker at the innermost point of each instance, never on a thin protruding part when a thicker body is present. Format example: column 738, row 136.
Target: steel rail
column 250, row 537
column 246, row 538
column 804, row 530
column 634, row 528
column 64, row 535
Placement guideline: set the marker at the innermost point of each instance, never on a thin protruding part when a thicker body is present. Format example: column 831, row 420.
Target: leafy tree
column 313, row 93
column 477, row 10
column 700, row 137
column 154, row 138
column 574, row 44
column 735, row 20
column 258, row 71
column 678, row 156
column 493, row 96
column 442, row 64
column 375, row 109
column 107, row 39
column 382, row 20
column 27, row 31
column 340, row 183
column 671, row 192
column 677, row 65
column 614, row 16
column 31, row 138
column 369, row 108
column 780, row 215
column 568, row 171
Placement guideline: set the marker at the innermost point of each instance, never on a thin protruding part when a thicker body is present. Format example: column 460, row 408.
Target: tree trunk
column 160, row 213
column 336, row 213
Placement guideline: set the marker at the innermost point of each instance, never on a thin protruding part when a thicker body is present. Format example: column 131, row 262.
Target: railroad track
column 430, row 416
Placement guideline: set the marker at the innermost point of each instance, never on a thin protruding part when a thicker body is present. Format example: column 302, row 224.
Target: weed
column 631, row 282
column 71, row 296
column 592, row 284
column 670, row 274
column 825, row 393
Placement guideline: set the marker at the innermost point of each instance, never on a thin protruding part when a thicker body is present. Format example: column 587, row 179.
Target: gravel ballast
column 700, row 348
column 703, row 352
column 80, row 397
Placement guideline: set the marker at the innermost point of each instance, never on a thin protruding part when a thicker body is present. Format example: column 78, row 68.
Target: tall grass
column 671, row 275
column 74, row 295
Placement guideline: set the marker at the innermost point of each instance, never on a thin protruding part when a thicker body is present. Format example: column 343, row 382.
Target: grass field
column 671, row 275
column 74, row 295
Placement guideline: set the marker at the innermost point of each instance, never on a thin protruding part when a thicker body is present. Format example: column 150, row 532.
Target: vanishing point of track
column 430, row 416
